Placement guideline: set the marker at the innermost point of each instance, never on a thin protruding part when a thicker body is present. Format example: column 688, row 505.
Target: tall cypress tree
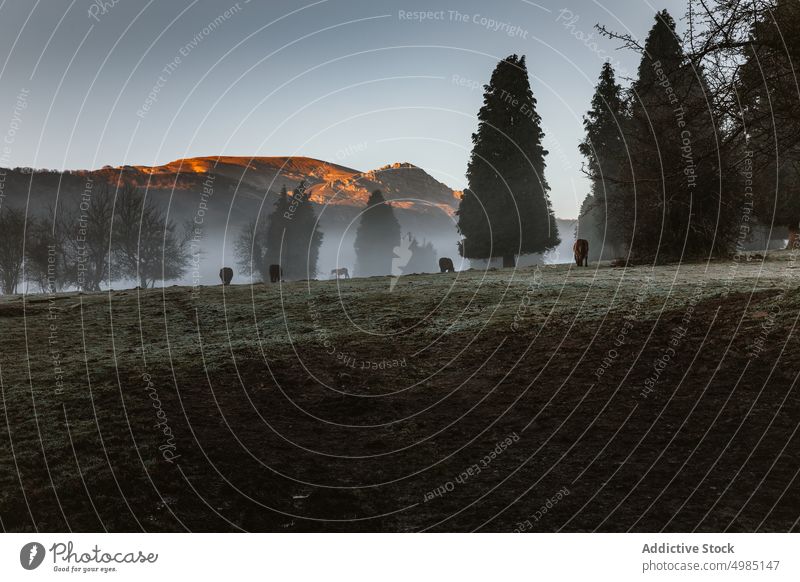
column 603, row 124
column 259, row 243
column 505, row 210
column 676, row 181
column 274, row 234
column 303, row 238
column 377, row 235
column 653, row 141
column 604, row 150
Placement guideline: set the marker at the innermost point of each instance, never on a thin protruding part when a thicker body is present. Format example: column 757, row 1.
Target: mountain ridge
column 404, row 184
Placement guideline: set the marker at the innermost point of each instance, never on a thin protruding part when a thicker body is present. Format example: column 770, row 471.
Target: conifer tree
column 604, row 150
column 505, row 210
column 377, row 235
column 303, row 238
column 675, row 201
column 259, row 243
column 275, row 229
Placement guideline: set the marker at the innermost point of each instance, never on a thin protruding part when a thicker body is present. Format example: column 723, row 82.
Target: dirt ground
column 543, row 399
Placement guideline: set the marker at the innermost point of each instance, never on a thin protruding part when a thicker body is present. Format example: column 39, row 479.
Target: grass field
column 542, row 399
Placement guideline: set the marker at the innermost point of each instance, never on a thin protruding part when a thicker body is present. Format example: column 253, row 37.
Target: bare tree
column 46, row 250
column 745, row 49
column 88, row 246
column 12, row 245
column 147, row 245
column 251, row 250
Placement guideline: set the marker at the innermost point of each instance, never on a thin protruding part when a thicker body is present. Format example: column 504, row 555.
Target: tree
column 290, row 237
column 12, row 244
column 259, row 243
column 46, row 250
column 592, row 225
column 377, row 235
column 303, row 238
column 505, row 210
column 88, row 248
column 249, row 249
column 767, row 87
column 677, row 178
column 606, row 155
column 147, row 246
column 748, row 53
column 653, row 135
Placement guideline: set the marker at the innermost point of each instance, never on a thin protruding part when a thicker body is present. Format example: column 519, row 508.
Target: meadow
column 550, row 398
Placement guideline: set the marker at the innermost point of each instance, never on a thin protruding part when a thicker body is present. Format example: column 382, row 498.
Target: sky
column 88, row 83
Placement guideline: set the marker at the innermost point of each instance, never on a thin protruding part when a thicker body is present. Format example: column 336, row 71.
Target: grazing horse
column 446, row 265
column 226, row 275
column 340, row 272
column 581, row 251
column 275, row 273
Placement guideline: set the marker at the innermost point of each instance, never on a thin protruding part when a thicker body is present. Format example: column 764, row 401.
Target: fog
column 217, row 221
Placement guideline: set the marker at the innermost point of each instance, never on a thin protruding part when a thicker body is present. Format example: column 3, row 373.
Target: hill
column 251, row 177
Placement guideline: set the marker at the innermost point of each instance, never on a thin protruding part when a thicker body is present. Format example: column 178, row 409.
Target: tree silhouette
column 12, row 256
column 258, row 244
column 303, row 238
column 600, row 219
column 675, row 187
column 377, row 235
column 46, row 250
column 89, row 251
column 505, row 211
column 290, row 237
column 147, row 246
column 767, row 89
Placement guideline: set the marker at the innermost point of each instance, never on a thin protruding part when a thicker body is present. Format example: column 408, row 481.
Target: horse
column 226, row 275
column 446, row 265
column 581, row 251
column 275, row 273
column 340, row 272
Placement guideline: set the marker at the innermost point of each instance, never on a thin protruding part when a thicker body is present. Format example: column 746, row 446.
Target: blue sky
column 359, row 83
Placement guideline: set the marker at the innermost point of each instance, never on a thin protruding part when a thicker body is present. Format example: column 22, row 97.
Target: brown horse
column 275, row 273
column 581, row 251
column 446, row 265
column 226, row 275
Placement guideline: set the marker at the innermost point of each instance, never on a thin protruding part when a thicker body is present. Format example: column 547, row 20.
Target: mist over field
column 218, row 198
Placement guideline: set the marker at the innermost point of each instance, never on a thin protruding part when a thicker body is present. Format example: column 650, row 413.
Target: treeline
column 704, row 141
column 107, row 236
column 111, row 235
column 288, row 235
